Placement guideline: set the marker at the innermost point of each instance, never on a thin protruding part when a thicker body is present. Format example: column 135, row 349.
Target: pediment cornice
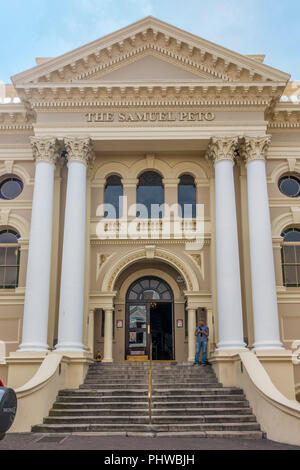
column 152, row 36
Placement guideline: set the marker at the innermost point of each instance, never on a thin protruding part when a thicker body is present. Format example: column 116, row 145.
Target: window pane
column 289, row 254
column 2, row 255
column 11, row 256
column 298, row 275
column 137, row 316
column 290, row 275
column 2, row 274
column 292, row 236
column 137, row 339
column 11, row 277
column 166, row 295
column 113, row 196
column 187, row 201
column 289, row 187
column 151, row 295
column 297, row 248
column 151, row 197
column 8, row 237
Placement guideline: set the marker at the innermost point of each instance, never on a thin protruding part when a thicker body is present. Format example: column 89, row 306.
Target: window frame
column 6, row 246
column 295, row 263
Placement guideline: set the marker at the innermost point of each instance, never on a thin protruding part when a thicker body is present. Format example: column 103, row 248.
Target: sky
column 49, row 28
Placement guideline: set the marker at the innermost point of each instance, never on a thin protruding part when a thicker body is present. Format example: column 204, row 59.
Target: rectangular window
column 291, row 264
column 9, row 266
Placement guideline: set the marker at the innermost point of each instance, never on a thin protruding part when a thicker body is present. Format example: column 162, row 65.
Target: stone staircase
column 187, row 401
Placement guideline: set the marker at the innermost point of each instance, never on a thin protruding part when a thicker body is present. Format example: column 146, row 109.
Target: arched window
column 291, row 257
column 150, row 195
column 149, row 288
column 9, row 259
column 113, row 197
column 187, row 197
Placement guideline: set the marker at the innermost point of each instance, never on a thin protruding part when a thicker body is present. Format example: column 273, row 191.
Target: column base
column 33, row 347
column 22, row 366
column 70, row 347
column 232, row 346
column 108, row 360
column 268, row 346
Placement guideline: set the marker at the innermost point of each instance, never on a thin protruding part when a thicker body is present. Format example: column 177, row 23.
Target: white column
column 70, row 326
column 108, row 336
column 36, row 308
column 265, row 310
column 191, row 334
column 230, row 317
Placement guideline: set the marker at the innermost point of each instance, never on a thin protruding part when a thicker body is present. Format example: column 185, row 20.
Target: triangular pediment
column 182, row 57
column 149, row 68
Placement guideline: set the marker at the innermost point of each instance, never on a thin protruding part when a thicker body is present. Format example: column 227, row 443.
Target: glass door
column 137, row 336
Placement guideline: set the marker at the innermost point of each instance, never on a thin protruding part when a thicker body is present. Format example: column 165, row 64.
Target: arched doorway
column 149, row 311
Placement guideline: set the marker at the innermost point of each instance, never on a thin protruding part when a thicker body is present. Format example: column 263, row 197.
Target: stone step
column 197, row 390
column 156, row 400
column 219, row 403
column 108, row 386
column 100, row 405
column 144, row 419
column 158, row 407
column 155, row 385
column 117, row 412
column 103, row 399
column 99, row 393
column 92, row 411
column 156, row 428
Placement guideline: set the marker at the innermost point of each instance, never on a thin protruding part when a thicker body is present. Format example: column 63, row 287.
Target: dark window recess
column 113, row 197
column 150, row 195
column 187, row 197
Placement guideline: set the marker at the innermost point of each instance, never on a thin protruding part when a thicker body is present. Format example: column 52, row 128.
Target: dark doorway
column 161, row 326
column 149, row 317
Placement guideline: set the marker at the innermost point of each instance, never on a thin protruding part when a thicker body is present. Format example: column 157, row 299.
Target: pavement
column 29, row 441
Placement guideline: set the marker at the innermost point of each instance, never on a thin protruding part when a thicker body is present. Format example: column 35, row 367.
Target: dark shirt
column 202, row 337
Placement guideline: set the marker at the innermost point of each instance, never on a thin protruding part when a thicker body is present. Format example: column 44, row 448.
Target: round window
column 290, row 185
column 10, row 187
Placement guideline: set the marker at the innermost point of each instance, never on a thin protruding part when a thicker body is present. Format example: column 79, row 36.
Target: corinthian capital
column 79, row 149
column 222, row 148
column 254, row 148
column 45, row 149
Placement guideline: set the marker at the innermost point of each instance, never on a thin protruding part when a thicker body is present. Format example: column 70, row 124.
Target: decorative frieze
column 45, row 149
column 80, row 149
column 222, row 148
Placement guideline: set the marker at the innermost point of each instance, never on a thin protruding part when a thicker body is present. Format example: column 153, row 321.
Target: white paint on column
column 108, row 336
column 265, row 310
column 70, row 326
column 36, row 308
column 230, row 316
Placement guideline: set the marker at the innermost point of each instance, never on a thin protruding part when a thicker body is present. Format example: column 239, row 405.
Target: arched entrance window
column 291, row 257
column 149, row 317
column 113, row 197
column 187, row 197
column 9, row 259
column 150, row 195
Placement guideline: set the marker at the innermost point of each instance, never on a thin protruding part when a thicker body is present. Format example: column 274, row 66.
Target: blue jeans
column 203, row 345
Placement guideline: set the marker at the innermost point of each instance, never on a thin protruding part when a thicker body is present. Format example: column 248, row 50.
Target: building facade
column 149, row 116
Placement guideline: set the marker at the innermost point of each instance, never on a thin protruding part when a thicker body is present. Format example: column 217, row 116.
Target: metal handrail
column 150, row 383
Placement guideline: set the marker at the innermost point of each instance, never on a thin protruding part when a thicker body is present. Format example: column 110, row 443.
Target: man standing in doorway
column 202, row 333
